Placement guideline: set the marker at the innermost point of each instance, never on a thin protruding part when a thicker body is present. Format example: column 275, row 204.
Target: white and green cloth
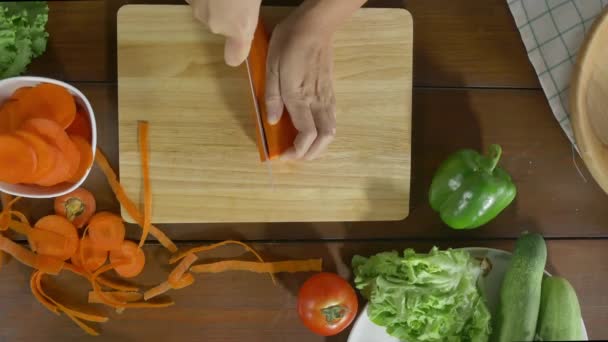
column 553, row 31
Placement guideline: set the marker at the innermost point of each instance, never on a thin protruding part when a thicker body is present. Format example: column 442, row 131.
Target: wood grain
column 247, row 307
column 204, row 162
column 457, row 43
column 589, row 102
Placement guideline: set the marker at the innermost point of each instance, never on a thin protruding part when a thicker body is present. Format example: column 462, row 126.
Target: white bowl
column 7, row 87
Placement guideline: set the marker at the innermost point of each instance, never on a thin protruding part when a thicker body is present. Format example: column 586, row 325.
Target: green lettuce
column 424, row 297
column 22, row 34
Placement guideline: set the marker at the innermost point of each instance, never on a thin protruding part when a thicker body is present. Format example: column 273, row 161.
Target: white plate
column 365, row 330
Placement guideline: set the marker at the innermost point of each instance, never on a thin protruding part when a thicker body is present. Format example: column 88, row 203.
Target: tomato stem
column 334, row 313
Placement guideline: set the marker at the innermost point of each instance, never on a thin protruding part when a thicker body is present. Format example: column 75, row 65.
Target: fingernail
column 274, row 110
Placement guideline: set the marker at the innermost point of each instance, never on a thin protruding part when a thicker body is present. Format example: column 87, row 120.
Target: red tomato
column 327, row 304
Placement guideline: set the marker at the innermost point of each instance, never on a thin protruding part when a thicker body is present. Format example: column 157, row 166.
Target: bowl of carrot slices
column 48, row 137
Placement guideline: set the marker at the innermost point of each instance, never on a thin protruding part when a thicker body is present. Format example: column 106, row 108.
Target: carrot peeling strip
column 44, row 263
column 179, row 271
column 7, row 204
column 291, row 266
column 143, row 128
column 126, row 202
column 50, row 306
column 185, row 281
column 101, row 280
column 123, row 296
column 216, row 245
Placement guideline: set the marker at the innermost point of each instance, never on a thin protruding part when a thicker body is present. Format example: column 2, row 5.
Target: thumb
column 236, row 50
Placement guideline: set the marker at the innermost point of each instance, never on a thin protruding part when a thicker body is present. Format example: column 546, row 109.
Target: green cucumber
column 559, row 318
column 521, row 290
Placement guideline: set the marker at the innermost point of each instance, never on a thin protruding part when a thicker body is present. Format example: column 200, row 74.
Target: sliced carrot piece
column 126, row 202
column 53, row 134
column 145, row 167
column 59, row 225
column 49, row 101
column 93, row 257
column 17, row 158
column 86, row 158
column 106, row 230
column 11, row 116
column 20, row 93
column 46, row 155
column 291, row 266
column 81, row 126
column 178, row 272
column 78, row 206
column 44, row 263
column 129, row 260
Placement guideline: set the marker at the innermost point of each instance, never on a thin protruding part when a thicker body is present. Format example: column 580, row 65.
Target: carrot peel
column 145, row 167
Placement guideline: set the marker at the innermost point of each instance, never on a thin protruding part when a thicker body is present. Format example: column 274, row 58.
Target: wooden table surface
column 473, row 85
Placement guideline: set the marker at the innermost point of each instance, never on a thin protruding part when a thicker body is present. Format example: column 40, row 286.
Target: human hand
column 299, row 77
column 234, row 19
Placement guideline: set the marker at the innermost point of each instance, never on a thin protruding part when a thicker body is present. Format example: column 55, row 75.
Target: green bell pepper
column 469, row 189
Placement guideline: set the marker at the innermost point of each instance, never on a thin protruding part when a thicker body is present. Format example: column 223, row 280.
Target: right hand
column 234, row 19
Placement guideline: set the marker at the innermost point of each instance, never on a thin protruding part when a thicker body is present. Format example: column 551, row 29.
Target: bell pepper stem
column 494, row 153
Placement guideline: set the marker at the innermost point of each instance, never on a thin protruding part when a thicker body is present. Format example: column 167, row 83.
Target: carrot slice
column 126, row 202
column 179, row 271
column 81, row 126
column 44, row 263
column 18, row 160
column 291, row 266
column 145, row 167
column 93, row 256
column 11, row 116
column 59, row 225
column 49, row 101
column 86, row 158
column 78, row 206
column 106, row 230
column 53, row 134
column 128, row 260
column 46, row 155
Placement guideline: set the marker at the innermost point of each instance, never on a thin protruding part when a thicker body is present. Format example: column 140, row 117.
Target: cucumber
column 521, row 290
column 559, row 318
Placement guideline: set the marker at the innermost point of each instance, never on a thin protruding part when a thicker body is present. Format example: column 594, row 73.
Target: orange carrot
column 78, row 206
column 46, row 155
column 106, row 230
column 11, row 116
column 51, row 102
column 179, row 271
column 162, row 288
column 20, row 93
column 129, row 206
column 93, row 257
column 60, row 225
column 44, row 263
column 128, row 260
column 291, row 266
column 18, row 160
column 81, row 126
column 86, row 158
column 145, row 167
column 279, row 137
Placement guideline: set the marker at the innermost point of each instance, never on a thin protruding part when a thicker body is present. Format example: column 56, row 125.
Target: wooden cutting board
column 205, row 165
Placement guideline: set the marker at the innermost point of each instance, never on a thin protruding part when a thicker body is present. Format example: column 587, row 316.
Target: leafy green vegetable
column 424, row 297
column 22, row 34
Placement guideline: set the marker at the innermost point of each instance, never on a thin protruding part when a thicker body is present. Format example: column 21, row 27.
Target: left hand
column 299, row 77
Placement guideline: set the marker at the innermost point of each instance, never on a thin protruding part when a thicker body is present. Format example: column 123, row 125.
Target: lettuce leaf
column 424, row 297
column 23, row 34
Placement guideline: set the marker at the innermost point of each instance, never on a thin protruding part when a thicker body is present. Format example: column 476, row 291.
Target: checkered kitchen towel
column 553, row 31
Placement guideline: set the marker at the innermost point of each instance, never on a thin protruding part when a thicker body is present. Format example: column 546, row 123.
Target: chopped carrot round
column 86, row 157
column 49, row 101
column 78, row 206
column 11, row 116
column 93, row 257
column 107, row 231
column 46, row 155
column 59, row 225
column 53, row 134
column 20, row 93
column 129, row 260
column 17, row 159
column 81, row 126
